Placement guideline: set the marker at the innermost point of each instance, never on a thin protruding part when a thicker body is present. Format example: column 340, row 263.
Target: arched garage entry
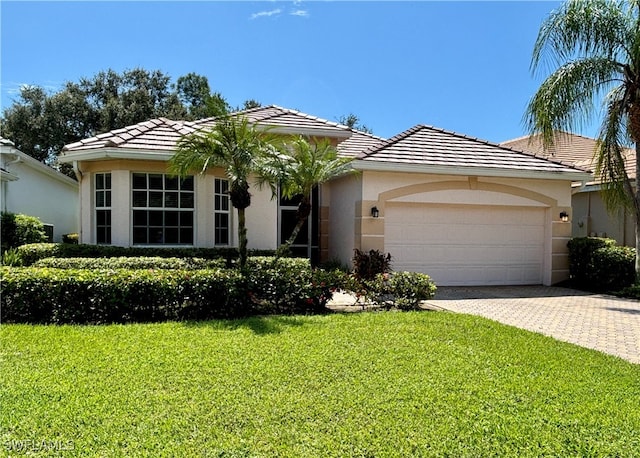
column 484, row 233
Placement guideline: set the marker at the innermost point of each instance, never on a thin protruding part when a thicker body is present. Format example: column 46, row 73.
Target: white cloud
column 266, row 13
column 300, row 13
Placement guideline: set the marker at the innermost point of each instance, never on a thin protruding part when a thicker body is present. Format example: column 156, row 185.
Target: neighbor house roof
column 569, row 148
column 161, row 135
column 429, row 149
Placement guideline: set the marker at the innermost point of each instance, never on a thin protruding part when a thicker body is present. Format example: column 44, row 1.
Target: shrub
column 597, row 264
column 115, row 295
column 130, row 263
column 289, row 285
column 19, row 229
column 11, row 258
column 403, row 290
column 70, row 238
column 33, row 252
column 41, row 295
column 367, row 265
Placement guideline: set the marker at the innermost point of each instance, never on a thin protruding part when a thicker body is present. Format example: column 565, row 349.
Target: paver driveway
column 601, row 322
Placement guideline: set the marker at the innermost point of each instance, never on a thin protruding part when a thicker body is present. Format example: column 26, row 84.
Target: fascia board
column 311, row 132
column 468, row 171
column 43, row 168
column 115, row 153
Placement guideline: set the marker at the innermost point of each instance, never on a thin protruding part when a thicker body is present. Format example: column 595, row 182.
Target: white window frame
column 221, row 195
column 106, row 193
column 179, row 209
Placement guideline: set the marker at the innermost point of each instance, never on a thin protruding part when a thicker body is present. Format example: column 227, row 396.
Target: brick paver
column 600, row 322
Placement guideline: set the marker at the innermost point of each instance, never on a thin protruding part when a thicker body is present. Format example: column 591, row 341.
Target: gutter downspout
column 78, row 173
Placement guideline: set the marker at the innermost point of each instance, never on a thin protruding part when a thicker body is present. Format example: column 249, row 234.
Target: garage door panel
column 467, row 245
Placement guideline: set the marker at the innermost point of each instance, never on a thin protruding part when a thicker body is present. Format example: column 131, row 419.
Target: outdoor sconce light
column 375, row 212
column 564, row 216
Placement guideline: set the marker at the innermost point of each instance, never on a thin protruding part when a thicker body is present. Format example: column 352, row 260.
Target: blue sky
column 461, row 66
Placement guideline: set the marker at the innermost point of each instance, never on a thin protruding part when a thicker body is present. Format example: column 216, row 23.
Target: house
column 590, row 215
column 32, row 188
column 465, row 211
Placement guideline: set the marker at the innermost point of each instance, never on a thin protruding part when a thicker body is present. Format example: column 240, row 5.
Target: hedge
column 57, row 296
column 19, row 229
column 33, row 252
column 598, row 264
column 131, row 263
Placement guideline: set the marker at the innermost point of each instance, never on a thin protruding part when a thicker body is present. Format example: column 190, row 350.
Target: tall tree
column 40, row 123
column 195, row 94
column 298, row 168
column 234, row 145
column 595, row 47
column 353, row 121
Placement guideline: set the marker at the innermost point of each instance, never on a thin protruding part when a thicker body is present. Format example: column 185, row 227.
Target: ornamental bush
column 289, row 285
column 115, row 295
column 33, row 252
column 45, row 295
column 19, row 229
column 598, row 264
column 403, row 290
column 366, row 265
column 131, row 263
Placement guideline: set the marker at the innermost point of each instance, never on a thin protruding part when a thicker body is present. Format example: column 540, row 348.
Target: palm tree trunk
column 636, row 208
column 242, row 238
column 304, row 210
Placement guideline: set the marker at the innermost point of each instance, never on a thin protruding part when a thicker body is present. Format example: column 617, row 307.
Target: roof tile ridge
column 395, row 139
column 367, row 134
column 313, row 118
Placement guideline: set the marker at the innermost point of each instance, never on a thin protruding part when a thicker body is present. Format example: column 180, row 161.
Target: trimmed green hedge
column 18, row 229
column 50, row 295
column 131, row 263
column 598, row 264
column 33, row 252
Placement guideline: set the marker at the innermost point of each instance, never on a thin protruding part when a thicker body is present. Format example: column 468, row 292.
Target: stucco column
column 369, row 233
column 120, row 208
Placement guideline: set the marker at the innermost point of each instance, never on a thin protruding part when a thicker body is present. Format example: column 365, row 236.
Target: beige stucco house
column 30, row 187
column 590, row 215
column 465, row 211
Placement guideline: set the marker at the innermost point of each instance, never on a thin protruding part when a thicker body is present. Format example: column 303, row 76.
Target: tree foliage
column 234, row 145
column 353, row 121
column 41, row 123
column 298, row 167
column 594, row 46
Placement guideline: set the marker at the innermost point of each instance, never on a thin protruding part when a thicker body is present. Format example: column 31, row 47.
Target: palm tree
column 234, row 145
column 298, row 168
column 595, row 45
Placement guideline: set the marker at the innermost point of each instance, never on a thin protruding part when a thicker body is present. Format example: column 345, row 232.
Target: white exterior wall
column 345, row 194
column 52, row 197
column 261, row 220
column 261, row 216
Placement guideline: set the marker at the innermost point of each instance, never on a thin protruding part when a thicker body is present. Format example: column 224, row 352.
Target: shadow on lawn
column 260, row 325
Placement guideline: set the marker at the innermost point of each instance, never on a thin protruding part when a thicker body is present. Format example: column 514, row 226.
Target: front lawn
column 366, row 384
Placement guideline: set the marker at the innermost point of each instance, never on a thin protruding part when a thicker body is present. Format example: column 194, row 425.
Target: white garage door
column 467, row 244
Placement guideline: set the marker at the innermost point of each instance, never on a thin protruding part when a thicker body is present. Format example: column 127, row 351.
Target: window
column 103, row 207
column 162, row 209
column 221, row 212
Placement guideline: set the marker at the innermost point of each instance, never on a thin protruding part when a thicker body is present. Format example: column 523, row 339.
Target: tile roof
column 430, row 146
column 157, row 134
column 6, row 142
column 162, row 134
column 569, row 148
column 358, row 143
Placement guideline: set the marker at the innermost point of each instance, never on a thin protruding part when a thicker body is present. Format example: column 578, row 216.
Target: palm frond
column 565, row 100
column 585, row 28
column 609, row 155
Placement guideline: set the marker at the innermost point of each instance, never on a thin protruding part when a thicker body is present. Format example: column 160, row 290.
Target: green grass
column 368, row 384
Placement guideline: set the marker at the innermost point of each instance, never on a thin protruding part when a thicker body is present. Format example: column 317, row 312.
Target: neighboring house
column 30, row 187
column 590, row 215
column 465, row 211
